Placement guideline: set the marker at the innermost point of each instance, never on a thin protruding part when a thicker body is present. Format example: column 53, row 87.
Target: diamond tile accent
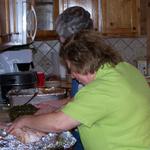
column 44, row 48
column 37, row 56
column 112, row 41
column 128, row 41
column 52, row 43
column 36, row 44
column 45, row 63
column 136, row 44
column 120, row 45
column 143, row 41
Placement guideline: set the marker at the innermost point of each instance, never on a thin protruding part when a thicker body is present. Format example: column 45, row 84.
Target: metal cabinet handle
column 29, row 33
column 35, row 27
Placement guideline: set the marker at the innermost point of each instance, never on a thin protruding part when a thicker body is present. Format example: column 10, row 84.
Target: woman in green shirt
column 112, row 110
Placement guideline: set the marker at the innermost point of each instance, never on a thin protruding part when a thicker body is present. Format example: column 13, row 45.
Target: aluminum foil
column 51, row 141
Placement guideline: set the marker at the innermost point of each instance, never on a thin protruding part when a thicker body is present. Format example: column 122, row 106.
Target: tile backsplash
column 131, row 49
column 46, row 53
column 46, row 56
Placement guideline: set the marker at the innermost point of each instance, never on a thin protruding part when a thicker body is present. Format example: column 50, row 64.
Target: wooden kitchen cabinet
column 5, row 36
column 45, row 25
column 47, row 12
column 90, row 5
column 114, row 18
column 148, row 33
column 122, row 18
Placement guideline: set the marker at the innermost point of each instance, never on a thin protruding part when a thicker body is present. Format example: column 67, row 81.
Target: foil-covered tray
column 52, row 141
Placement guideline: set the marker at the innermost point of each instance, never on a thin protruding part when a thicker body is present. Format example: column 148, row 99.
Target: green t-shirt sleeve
column 88, row 107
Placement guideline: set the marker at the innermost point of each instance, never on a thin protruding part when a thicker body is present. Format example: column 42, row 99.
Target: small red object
column 41, row 79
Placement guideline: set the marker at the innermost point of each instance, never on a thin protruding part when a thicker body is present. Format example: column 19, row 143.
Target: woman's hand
column 20, row 122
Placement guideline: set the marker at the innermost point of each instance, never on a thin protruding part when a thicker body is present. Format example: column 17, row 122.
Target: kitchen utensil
column 35, row 94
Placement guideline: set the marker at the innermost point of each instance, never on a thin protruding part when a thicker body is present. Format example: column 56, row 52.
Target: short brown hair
column 87, row 51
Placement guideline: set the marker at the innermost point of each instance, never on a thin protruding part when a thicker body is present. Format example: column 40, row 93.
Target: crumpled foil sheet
column 51, row 141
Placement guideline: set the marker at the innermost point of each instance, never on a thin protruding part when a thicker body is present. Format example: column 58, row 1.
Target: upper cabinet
column 22, row 21
column 121, row 17
column 90, row 5
column 17, row 23
column 46, row 12
column 114, row 18
column 4, row 22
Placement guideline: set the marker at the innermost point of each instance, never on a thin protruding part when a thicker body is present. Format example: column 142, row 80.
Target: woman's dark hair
column 87, row 52
column 72, row 20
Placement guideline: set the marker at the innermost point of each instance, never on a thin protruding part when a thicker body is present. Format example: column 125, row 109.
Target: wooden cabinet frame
column 49, row 34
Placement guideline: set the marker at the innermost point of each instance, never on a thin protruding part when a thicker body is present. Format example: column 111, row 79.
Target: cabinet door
column 90, row 5
column 148, row 35
column 120, row 17
column 46, row 11
column 4, row 21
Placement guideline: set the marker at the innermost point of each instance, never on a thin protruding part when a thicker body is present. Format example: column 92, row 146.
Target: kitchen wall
column 46, row 57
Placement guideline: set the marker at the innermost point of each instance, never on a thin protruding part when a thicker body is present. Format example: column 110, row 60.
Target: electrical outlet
column 142, row 66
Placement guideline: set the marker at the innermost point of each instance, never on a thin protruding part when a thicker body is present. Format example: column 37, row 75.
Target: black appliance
column 17, row 81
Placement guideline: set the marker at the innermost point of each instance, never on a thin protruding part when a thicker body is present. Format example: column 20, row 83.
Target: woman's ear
column 62, row 39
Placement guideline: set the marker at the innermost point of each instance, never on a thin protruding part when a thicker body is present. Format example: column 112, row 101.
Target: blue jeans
column 78, row 145
column 74, row 90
